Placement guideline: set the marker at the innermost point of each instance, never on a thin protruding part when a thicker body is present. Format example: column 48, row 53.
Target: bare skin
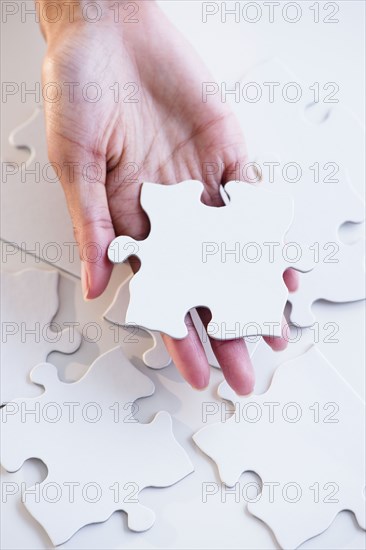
column 168, row 135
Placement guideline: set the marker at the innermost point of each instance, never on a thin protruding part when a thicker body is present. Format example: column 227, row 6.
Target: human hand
column 158, row 130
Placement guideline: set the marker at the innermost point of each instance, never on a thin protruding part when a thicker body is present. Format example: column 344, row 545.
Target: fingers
column 276, row 343
column 291, row 278
column 94, row 232
column 87, row 203
column 233, row 358
column 232, row 355
column 236, row 365
column 189, row 357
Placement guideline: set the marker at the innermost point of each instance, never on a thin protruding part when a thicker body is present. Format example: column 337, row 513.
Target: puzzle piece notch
column 74, row 448
column 30, row 302
column 23, row 136
column 303, row 452
column 323, row 282
column 157, row 356
column 176, row 276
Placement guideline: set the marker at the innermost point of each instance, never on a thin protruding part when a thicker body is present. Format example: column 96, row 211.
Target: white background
column 315, row 52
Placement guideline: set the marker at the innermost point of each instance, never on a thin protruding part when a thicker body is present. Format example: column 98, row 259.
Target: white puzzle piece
column 87, row 436
column 315, row 159
column 279, row 119
column 340, row 280
column 34, row 211
column 195, row 250
column 305, row 438
column 29, row 303
column 157, row 356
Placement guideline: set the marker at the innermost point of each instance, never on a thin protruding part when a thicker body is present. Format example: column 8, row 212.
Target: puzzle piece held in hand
column 305, row 436
column 157, row 356
column 194, row 251
column 29, row 303
column 86, row 435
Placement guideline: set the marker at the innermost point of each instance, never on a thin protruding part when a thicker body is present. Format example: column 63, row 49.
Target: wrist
column 56, row 16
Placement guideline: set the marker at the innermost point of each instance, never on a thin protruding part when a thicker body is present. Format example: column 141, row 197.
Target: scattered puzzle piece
column 317, row 168
column 36, row 217
column 157, row 356
column 86, row 434
column 340, row 280
column 29, row 303
column 186, row 265
column 305, row 438
column 289, row 106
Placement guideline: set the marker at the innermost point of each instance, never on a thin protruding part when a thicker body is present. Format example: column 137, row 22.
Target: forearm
column 55, row 15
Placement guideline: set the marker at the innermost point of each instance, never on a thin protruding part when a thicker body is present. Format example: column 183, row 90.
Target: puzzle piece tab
column 29, row 303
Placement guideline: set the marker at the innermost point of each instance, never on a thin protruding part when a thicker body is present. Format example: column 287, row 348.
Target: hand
column 168, row 135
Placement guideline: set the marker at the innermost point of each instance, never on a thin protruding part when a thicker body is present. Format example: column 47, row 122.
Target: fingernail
column 200, row 388
column 84, row 281
column 201, row 384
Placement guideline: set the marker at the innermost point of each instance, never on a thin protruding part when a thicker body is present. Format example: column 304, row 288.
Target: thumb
column 86, row 197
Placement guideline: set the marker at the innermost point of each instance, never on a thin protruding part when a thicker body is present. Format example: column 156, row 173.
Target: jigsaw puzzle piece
column 314, row 166
column 346, row 206
column 313, row 424
column 66, row 342
column 282, row 204
column 184, row 264
column 324, row 282
column 23, row 136
column 157, row 356
column 30, row 302
column 280, row 200
column 309, row 153
column 86, row 434
column 309, row 162
column 157, row 198
column 36, row 218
